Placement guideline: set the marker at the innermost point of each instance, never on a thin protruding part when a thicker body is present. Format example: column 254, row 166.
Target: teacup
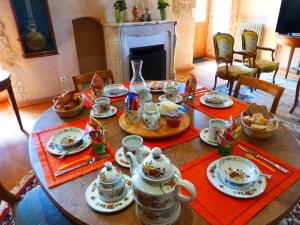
column 102, row 105
column 171, row 93
column 214, row 126
column 134, row 144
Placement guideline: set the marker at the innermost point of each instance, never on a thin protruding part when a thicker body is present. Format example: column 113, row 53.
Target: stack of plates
column 236, row 176
column 216, row 100
column 68, row 141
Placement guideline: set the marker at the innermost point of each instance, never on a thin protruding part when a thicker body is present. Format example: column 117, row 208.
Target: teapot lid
column 156, row 166
column 109, row 174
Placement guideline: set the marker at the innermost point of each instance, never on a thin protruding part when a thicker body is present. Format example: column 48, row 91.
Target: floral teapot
column 157, row 188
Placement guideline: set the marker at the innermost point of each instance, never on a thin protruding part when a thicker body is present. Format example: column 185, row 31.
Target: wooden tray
column 163, row 132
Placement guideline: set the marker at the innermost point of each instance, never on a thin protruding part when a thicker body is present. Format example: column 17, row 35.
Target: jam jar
column 173, row 118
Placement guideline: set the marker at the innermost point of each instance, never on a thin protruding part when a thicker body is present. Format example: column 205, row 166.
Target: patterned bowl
column 72, row 112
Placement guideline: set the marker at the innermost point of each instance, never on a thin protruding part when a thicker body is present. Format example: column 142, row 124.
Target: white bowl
column 67, row 137
column 216, row 97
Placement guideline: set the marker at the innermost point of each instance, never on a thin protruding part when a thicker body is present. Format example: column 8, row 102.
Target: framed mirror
column 35, row 27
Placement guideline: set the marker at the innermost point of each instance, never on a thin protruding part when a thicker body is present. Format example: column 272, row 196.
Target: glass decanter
column 137, row 82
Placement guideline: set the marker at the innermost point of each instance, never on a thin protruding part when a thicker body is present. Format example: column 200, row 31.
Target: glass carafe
column 137, row 82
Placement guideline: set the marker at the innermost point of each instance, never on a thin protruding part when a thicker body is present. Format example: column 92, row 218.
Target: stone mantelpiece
column 119, row 38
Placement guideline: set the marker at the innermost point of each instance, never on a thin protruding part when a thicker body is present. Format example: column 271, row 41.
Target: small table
column 293, row 42
column 5, row 84
column 297, row 91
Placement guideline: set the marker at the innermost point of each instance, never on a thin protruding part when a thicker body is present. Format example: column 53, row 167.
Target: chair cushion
column 35, row 208
column 235, row 71
column 265, row 65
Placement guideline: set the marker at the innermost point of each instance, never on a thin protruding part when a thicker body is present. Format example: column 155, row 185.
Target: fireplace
column 154, row 61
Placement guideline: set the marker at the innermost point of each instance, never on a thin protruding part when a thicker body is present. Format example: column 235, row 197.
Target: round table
column 69, row 197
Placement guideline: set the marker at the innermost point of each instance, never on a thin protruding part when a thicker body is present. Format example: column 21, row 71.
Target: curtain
column 223, row 17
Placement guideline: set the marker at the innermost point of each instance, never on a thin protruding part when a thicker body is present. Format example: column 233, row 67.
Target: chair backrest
column 249, row 41
column 223, row 44
column 82, row 81
column 90, row 46
column 265, row 86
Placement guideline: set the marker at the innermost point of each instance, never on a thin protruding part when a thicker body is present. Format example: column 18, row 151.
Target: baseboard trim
column 184, row 68
column 27, row 103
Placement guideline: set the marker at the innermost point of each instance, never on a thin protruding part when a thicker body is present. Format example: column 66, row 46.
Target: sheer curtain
column 222, row 18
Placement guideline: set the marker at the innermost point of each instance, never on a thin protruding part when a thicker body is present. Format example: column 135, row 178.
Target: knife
column 90, row 161
column 281, row 168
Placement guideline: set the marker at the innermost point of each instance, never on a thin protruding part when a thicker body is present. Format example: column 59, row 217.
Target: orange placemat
column 164, row 143
column 234, row 110
column 218, row 208
column 112, row 99
column 51, row 163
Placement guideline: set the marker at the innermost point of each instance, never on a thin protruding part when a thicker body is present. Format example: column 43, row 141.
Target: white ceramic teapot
column 157, row 188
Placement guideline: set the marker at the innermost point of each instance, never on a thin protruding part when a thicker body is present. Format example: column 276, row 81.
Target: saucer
column 178, row 99
column 112, row 111
column 123, row 161
column 55, row 150
column 254, row 190
column 204, row 137
column 115, row 90
column 93, row 200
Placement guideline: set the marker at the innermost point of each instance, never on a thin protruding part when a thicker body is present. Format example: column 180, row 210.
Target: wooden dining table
column 69, row 197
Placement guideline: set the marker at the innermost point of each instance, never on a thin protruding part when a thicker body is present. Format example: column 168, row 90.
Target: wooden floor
column 14, row 163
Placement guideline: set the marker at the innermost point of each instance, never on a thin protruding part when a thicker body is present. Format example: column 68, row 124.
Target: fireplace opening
column 154, row 61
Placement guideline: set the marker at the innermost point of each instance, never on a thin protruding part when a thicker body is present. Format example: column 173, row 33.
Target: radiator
column 241, row 26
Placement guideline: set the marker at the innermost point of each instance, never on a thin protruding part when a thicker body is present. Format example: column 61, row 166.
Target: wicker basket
column 258, row 134
column 72, row 112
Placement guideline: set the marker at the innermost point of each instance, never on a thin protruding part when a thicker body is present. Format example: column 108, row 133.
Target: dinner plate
column 177, row 101
column 93, row 200
column 204, row 137
column 112, row 111
column 224, row 104
column 215, row 97
column 123, row 161
column 56, row 150
column 237, row 169
column 67, row 137
column 257, row 188
column 115, row 90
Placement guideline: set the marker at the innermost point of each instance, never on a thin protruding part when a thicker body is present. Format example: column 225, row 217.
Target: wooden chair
column 249, row 44
column 265, row 86
column 223, row 44
column 296, row 92
column 82, row 81
column 33, row 208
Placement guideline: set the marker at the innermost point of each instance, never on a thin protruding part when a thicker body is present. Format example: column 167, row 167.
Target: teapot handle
column 191, row 189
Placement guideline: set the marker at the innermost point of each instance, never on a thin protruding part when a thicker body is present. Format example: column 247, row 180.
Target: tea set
column 171, row 94
column 209, row 135
column 102, row 108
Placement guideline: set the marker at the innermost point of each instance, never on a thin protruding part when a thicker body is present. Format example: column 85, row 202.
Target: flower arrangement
column 120, row 6
column 228, row 136
column 162, row 5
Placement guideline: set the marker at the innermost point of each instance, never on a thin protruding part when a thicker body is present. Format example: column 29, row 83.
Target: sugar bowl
column 111, row 184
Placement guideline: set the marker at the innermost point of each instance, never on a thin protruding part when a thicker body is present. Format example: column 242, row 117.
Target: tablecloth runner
column 51, row 163
column 234, row 110
column 218, row 208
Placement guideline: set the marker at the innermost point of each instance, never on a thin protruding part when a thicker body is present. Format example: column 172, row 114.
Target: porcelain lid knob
column 156, row 153
column 108, row 165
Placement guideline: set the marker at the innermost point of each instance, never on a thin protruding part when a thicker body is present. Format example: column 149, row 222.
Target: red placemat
column 218, row 208
column 189, row 134
column 51, row 163
column 112, row 99
column 234, row 110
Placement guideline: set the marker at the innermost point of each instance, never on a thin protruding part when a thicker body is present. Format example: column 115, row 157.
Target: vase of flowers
column 228, row 137
column 120, row 7
column 162, row 6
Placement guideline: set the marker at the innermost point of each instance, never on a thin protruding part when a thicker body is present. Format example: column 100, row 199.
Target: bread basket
column 256, row 133
column 72, row 112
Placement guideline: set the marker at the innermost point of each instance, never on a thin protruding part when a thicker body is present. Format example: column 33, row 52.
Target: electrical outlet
column 63, row 78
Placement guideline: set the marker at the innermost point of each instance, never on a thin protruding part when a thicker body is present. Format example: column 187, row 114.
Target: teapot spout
column 133, row 162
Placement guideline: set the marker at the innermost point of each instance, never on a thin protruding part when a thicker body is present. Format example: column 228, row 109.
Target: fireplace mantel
column 119, row 38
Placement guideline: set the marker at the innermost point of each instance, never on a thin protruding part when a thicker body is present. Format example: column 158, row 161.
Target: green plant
column 120, row 5
column 162, row 4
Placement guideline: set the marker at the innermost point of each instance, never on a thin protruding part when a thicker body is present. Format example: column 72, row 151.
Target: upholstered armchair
column 223, row 44
column 249, row 44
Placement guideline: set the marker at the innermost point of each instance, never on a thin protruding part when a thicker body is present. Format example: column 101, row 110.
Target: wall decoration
column 181, row 6
column 35, row 27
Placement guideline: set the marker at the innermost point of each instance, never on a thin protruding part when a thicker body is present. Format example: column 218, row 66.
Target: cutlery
column 83, row 158
column 249, row 156
column 90, row 161
column 268, row 176
column 88, row 99
column 281, row 168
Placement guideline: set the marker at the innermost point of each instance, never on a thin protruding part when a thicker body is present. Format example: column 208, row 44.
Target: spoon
column 250, row 156
column 85, row 157
column 268, row 176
